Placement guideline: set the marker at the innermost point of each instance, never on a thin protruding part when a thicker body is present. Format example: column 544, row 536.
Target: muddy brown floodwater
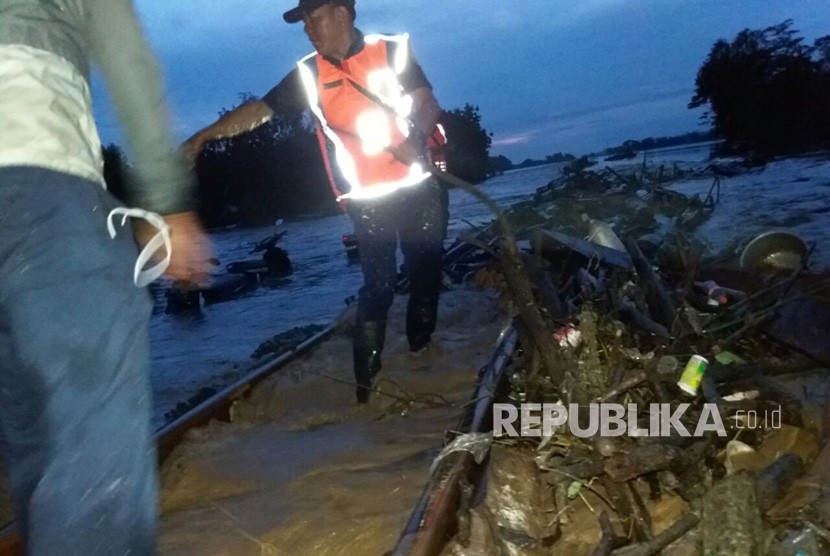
column 303, row 469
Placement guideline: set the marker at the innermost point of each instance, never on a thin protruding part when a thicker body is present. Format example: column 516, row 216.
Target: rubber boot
column 421, row 315
column 367, row 347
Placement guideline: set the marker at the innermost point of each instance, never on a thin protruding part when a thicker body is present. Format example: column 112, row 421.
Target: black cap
column 306, row 6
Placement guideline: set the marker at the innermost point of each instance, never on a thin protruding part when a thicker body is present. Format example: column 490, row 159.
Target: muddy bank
column 303, row 470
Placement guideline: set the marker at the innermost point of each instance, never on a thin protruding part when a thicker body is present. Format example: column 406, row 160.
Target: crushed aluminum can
column 567, row 336
column 692, row 375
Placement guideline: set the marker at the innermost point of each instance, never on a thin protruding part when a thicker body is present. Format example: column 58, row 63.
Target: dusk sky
column 548, row 75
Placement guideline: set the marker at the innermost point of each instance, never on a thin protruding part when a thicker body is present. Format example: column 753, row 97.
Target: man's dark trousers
column 417, row 216
column 74, row 386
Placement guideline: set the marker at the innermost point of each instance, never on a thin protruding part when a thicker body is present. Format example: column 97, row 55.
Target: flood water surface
column 304, row 470
column 214, row 347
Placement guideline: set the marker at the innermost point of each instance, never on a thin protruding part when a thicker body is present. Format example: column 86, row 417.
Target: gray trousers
column 75, row 401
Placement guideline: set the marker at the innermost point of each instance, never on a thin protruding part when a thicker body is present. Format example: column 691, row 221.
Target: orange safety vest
column 360, row 111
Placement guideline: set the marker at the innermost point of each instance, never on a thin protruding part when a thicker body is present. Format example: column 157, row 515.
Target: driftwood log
column 516, row 512
column 517, row 281
column 629, row 516
column 630, row 314
column 731, row 519
column 659, row 303
column 626, row 384
column 546, row 290
column 661, row 541
column 640, row 460
column 610, row 540
column 776, row 478
column 808, row 491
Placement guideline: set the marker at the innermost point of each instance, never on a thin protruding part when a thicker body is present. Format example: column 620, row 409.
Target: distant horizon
column 602, row 152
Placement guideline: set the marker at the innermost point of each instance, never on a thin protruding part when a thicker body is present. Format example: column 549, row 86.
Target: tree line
column 765, row 91
column 277, row 171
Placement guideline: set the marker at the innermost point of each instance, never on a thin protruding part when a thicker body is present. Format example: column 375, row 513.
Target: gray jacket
column 108, row 34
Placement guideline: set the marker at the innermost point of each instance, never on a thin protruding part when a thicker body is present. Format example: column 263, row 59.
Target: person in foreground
column 374, row 110
column 74, row 354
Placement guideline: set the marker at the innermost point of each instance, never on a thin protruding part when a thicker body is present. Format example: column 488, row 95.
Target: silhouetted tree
column 822, row 46
column 272, row 171
column 276, row 170
column 559, row 157
column 468, row 143
column 498, row 165
column 766, row 90
column 660, row 142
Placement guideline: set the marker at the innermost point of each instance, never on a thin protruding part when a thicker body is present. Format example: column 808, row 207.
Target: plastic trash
column 729, row 358
column 739, row 456
column 476, row 443
column 568, row 336
column 717, row 295
column 692, row 375
column 601, row 233
column 798, row 543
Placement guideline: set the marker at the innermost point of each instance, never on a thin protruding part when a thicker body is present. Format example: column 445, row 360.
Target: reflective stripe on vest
column 360, row 127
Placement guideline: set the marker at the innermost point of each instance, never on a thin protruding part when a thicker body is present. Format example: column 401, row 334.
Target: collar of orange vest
column 357, row 45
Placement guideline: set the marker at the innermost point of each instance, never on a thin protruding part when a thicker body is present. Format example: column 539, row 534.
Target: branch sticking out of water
column 517, row 280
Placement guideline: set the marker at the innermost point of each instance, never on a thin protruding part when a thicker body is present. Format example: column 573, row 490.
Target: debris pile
column 653, row 402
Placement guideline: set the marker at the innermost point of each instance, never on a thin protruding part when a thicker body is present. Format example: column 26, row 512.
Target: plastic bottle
column 715, row 294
